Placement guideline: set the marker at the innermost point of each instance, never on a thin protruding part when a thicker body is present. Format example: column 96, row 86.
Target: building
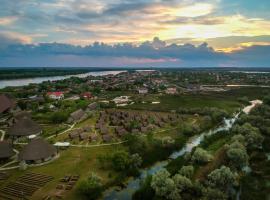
column 121, row 100
column 87, row 95
column 24, row 127
column 37, row 151
column 6, row 104
column 142, row 90
column 6, row 150
column 55, row 95
column 77, row 116
column 171, row 90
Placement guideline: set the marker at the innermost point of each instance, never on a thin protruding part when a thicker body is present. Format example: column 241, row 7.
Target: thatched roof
column 22, row 114
column 77, row 115
column 107, row 138
column 5, row 103
column 5, row 150
column 24, row 127
column 37, row 149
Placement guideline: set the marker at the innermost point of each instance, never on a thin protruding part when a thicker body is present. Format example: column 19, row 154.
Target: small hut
column 24, row 127
column 77, row 116
column 107, row 138
column 37, row 151
column 6, row 150
column 84, row 136
column 93, row 137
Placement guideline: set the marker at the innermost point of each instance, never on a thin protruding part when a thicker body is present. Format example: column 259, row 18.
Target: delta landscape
column 135, row 100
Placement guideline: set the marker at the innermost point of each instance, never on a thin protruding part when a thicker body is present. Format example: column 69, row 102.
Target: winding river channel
column 115, row 193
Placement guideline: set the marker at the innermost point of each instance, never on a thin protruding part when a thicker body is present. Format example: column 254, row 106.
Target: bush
column 201, row 156
column 91, row 188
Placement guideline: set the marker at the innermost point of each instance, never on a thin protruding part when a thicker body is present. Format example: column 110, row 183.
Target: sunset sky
column 187, row 33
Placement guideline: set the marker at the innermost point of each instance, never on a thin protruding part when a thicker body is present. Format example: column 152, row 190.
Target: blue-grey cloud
column 149, row 53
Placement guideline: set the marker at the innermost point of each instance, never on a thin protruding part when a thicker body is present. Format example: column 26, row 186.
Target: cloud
column 7, row 20
column 10, row 38
column 149, row 53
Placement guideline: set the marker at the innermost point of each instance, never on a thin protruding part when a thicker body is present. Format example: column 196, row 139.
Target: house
column 24, row 127
column 37, row 151
column 171, row 90
column 92, row 106
column 55, row 95
column 142, row 90
column 77, row 116
column 6, row 150
column 6, row 104
column 121, row 100
column 87, row 95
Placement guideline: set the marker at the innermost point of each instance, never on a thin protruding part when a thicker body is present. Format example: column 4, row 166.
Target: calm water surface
column 27, row 81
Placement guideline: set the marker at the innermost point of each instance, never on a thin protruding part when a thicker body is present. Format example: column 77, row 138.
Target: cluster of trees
column 216, row 115
column 121, row 161
column 182, row 186
column 91, row 187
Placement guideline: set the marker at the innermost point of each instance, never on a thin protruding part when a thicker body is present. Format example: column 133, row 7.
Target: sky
column 128, row 33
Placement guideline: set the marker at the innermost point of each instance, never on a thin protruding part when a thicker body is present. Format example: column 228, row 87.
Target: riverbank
column 134, row 184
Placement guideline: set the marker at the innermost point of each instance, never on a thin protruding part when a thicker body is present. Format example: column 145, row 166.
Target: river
column 133, row 184
column 27, row 81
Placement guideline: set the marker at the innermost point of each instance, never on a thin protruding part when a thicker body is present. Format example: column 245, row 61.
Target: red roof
column 87, row 95
column 55, row 93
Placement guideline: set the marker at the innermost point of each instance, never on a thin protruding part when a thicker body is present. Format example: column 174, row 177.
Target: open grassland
column 228, row 100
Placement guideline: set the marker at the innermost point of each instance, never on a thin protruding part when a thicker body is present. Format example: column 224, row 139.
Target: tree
column 59, row 117
column 214, row 194
column 135, row 161
column 201, row 156
column 238, row 155
column 182, row 184
column 162, row 184
column 91, row 187
column 254, row 139
column 120, row 160
column 187, row 171
column 221, row 178
column 239, row 138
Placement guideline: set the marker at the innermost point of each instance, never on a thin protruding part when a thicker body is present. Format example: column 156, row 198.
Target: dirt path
column 3, row 135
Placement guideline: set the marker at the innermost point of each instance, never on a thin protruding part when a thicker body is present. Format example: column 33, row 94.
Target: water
column 27, row 81
column 134, row 184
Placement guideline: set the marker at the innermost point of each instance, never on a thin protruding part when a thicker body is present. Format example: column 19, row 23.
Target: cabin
column 93, row 137
column 84, row 136
column 6, row 104
column 6, row 151
column 77, row 116
column 55, row 95
column 142, row 90
column 24, row 127
column 87, row 95
column 107, row 138
column 171, row 90
column 37, row 151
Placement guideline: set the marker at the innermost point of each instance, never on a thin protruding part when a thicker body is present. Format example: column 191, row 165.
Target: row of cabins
column 132, row 122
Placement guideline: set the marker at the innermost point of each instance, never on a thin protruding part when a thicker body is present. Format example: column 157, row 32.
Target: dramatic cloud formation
column 63, row 32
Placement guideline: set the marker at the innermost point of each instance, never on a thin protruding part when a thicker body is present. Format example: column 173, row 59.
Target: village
column 44, row 124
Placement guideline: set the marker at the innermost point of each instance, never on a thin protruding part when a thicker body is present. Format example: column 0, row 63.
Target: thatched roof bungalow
column 24, row 127
column 6, row 150
column 37, row 151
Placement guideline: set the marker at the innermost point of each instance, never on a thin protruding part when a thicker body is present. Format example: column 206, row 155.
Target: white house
column 171, row 90
column 56, row 95
column 142, row 90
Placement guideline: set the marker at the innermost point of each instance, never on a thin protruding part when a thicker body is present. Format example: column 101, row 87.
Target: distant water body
column 27, row 81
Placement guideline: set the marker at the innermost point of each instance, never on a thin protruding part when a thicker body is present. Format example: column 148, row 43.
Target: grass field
column 227, row 100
